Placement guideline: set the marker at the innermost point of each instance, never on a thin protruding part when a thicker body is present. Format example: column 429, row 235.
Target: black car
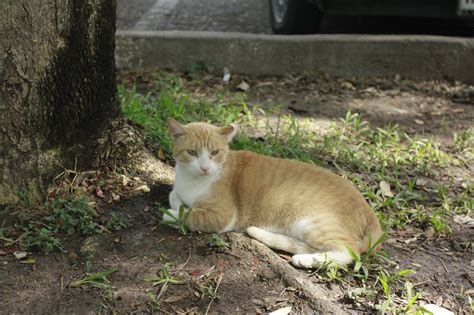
column 304, row 16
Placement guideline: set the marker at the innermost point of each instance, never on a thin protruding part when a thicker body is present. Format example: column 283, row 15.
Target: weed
column 43, row 239
column 208, row 284
column 199, row 68
column 215, row 241
column 178, row 221
column 359, row 295
column 118, row 222
column 67, row 215
column 153, row 301
column 96, row 280
column 163, row 281
column 71, row 215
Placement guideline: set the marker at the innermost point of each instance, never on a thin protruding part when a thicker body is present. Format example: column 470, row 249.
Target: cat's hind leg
column 279, row 241
column 307, row 261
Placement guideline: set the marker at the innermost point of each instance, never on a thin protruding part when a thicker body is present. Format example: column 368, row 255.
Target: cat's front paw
column 171, row 218
column 175, row 201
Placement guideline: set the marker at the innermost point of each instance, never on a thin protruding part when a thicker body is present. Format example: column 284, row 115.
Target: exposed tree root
column 312, row 293
column 122, row 145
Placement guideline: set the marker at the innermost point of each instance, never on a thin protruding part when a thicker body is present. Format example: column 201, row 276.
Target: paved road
column 246, row 16
column 252, row 16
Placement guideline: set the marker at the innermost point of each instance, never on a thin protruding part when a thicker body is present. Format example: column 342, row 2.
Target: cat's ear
column 175, row 128
column 229, row 132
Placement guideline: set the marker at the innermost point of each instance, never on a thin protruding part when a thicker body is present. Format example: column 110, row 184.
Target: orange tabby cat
column 287, row 205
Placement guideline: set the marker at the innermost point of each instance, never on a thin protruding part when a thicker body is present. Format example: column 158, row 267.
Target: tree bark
column 57, row 89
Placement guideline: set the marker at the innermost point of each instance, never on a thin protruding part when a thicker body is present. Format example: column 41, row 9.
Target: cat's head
column 200, row 149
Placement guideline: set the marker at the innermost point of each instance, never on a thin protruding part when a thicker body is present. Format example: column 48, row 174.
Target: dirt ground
column 246, row 282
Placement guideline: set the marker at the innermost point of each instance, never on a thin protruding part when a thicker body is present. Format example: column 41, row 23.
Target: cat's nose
column 204, row 168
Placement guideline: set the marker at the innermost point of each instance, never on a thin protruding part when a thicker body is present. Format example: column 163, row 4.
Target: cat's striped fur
column 288, row 205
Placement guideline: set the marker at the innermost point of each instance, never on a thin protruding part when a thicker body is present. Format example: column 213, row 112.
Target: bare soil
column 139, row 253
column 248, row 282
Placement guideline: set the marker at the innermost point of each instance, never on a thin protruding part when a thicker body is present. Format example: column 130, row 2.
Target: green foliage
column 71, row 215
column 42, row 239
column 97, row 280
column 215, row 241
column 118, row 222
column 179, row 221
column 67, row 215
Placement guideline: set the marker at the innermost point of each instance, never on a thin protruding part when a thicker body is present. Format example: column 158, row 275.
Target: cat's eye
column 192, row 152
column 215, row 152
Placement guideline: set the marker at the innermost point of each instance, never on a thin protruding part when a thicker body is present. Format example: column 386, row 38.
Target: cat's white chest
column 190, row 188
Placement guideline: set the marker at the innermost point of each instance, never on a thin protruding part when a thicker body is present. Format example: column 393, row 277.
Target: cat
column 287, row 205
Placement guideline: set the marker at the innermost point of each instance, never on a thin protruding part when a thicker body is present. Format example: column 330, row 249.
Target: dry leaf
column 347, row 85
column 243, row 86
column 2, row 252
column 144, row 188
column 437, row 310
column 281, row 311
column 99, row 192
column 115, row 197
column 385, row 189
column 419, row 122
column 464, row 219
column 161, row 154
column 20, row 255
column 125, row 180
column 469, row 292
column 174, row 298
column 29, row 261
column 429, row 232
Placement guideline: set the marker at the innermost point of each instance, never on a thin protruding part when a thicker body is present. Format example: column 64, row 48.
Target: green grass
column 364, row 154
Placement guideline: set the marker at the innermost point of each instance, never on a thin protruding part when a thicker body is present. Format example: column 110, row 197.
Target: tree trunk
column 57, row 90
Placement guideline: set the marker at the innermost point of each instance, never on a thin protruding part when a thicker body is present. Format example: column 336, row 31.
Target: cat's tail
column 279, row 241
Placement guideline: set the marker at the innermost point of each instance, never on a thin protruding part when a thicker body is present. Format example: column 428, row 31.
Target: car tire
column 294, row 17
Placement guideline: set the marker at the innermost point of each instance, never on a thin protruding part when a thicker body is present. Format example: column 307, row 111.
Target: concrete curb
column 415, row 57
